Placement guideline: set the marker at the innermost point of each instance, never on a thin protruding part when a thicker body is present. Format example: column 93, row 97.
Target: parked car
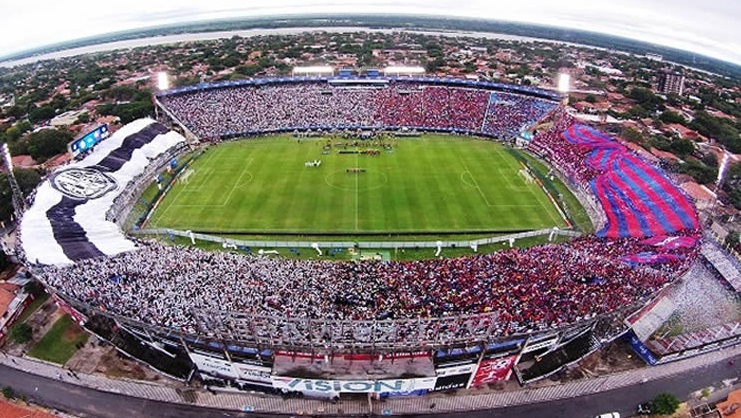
column 609, row 415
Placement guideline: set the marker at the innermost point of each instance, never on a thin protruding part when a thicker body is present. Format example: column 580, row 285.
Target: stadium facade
column 389, row 356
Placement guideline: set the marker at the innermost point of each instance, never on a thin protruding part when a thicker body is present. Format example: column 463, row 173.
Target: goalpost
column 184, row 178
column 526, row 176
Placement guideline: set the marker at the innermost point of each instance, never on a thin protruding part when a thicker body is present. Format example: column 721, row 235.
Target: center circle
column 356, row 179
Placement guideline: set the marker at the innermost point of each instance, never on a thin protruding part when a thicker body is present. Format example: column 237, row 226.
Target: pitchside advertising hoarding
column 494, row 370
column 457, row 377
column 298, row 384
column 78, row 316
column 239, row 371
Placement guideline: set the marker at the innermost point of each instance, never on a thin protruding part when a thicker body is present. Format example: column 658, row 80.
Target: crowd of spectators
column 524, row 289
column 529, row 289
column 250, row 109
column 568, row 157
column 510, row 114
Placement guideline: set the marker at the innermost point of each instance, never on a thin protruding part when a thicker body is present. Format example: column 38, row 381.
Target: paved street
column 89, row 402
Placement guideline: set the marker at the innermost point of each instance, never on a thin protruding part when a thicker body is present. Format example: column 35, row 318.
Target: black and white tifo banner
column 67, row 221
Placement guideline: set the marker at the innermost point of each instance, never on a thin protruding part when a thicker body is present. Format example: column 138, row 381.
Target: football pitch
column 429, row 184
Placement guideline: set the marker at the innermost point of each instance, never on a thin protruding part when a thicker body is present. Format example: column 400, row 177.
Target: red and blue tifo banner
column 671, row 243
column 638, row 198
column 648, row 258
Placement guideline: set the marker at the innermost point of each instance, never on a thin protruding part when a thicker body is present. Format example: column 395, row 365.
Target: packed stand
column 251, row 109
column 431, row 107
column 508, row 114
column 568, row 157
column 530, row 289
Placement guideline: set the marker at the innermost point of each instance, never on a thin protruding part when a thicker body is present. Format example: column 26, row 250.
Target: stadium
column 338, row 159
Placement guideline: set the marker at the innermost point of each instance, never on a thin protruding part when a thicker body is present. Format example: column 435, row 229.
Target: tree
column 732, row 239
column 710, row 160
column 13, row 133
column 33, row 288
column 672, row 117
column 682, row 147
column 27, row 180
column 83, row 118
column 664, row 404
column 8, row 392
column 15, row 111
column 591, row 98
column 47, row 143
column 632, row 135
column 699, row 171
column 42, row 113
column 24, row 126
column 20, row 333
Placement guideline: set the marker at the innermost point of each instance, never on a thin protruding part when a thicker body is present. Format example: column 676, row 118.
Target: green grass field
column 432, row 184
column 60, row 343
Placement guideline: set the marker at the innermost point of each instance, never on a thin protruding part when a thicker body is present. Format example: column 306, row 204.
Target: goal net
column 526, row 176
column 184, row 178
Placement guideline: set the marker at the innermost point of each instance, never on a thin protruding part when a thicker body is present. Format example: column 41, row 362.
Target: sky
column 708, row 27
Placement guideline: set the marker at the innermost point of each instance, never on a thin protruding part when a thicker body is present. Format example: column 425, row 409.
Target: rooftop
column 734, row 399
column 10, row 410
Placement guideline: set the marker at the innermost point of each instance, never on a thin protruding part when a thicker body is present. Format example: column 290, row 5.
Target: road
column 87, row 402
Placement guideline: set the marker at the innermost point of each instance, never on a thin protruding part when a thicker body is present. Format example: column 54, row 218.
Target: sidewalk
column 463, row 401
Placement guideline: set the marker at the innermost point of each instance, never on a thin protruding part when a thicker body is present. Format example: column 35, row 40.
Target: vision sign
column 353, row 386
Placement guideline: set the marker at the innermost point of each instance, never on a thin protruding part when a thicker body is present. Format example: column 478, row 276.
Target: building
column 13, row 300
column 732, row 406
column 669, row 82
column 8, row 409
column 67, row 118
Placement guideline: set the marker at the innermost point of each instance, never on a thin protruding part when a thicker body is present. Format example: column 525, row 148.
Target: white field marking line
column 236, row 184
column 195, row 186
column 463, row 179
column 477, row 187
column 182, row 189
column 207, row 172
column 172, row 203
column 506, row 178
column 529, row 187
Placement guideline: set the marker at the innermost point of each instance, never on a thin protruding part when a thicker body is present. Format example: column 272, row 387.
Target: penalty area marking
column 237, row 184
column 530, row 188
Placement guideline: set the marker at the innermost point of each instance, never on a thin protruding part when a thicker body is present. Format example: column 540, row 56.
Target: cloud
column 709, row 27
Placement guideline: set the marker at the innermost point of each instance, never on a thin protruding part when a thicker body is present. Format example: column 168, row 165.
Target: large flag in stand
column 67, row 221
column 637, row 197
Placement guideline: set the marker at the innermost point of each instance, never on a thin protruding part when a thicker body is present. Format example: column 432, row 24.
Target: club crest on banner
column 83, row 183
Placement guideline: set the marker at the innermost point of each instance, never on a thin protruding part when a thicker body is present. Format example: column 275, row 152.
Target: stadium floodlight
column 319, row 69
column 6, row 156
column 563, row 83
column 163, row 81
column 19, row 203
column 403, row 70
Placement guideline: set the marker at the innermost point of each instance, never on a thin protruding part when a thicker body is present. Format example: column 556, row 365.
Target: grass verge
column 61, row 342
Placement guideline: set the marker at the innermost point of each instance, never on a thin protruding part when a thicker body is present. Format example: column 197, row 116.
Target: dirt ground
column 40, row 322
column 616, row 357
column 97, row 356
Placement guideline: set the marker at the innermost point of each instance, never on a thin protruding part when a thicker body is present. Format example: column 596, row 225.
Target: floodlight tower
column 163, row 83
column 19, row 204
column 564, row 81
